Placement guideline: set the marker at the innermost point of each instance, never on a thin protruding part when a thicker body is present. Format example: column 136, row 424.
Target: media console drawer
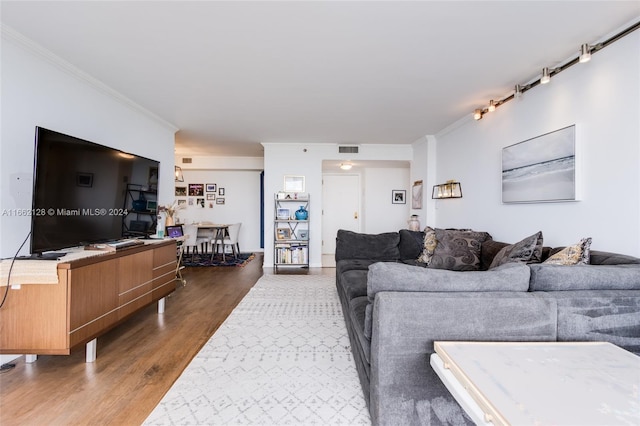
column 92, row 296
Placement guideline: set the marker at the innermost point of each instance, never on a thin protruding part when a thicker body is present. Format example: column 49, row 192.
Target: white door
column 341, row 207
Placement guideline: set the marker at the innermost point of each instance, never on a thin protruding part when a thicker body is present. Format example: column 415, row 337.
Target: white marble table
column 542, row 383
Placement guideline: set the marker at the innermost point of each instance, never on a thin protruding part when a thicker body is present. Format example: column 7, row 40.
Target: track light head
column 477, row 114
column 585, row 53
column 518, row 91
column 546, row 76
column 492, row 106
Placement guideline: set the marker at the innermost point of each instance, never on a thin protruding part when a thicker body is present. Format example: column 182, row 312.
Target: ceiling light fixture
column 492, row 106
column 585, row 53
column 179, row 175
column 546, row 76
column 346, row 166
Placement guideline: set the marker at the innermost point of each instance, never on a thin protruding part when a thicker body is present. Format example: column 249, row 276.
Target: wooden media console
column 92, row 295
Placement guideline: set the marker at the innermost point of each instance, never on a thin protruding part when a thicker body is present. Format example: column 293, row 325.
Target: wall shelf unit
column 291, row 232
column 141, row 206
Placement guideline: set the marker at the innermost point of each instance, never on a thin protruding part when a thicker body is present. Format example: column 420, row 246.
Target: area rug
column 281, row 357
column 205, row 259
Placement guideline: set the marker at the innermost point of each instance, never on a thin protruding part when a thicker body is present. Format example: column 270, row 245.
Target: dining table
column 220, row 230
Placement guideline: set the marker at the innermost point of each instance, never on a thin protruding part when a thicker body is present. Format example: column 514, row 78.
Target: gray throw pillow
column 528, row 250
column 457, row 250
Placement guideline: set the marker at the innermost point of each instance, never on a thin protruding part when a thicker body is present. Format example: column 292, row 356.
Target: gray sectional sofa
column 395, row 309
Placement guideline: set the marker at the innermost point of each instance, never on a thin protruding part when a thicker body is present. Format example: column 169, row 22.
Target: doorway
column 341, row 210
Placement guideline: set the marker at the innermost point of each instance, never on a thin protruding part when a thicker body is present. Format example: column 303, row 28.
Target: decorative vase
column 302, row 213
column 169, row 220
column 414, row 223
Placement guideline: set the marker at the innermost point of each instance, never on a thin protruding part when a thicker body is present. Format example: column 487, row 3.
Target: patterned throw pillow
column 528, row 250
column 577, row 254
column 429, row 245
column 457, row 250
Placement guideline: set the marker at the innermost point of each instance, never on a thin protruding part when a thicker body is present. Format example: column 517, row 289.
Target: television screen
column 82, row 191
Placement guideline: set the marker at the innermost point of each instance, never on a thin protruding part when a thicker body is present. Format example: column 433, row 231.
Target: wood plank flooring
column 137, row 361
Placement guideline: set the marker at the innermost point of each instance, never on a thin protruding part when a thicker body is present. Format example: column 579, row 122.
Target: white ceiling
column 232, row 74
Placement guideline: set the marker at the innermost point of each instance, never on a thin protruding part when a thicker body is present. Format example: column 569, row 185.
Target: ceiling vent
column 187, row 160
column 348, row 149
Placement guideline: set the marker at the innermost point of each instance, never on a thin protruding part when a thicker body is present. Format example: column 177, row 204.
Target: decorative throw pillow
column 457, row 250
column 577, row 254
column 528, row 250
column 429, row 245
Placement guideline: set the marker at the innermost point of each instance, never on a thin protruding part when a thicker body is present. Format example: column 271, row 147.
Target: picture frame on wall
column 293, row 183
column 541, row 169
column 196, row 190
column 416, row 195
column 211, row 187
column 211, row 196
column 399, row 196
column 219, row 200
column 181, row 191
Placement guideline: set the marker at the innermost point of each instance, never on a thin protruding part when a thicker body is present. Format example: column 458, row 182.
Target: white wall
column 602, row 98
column 379, row 214
column 39, row 89
column 282, row 159
column 242, row 202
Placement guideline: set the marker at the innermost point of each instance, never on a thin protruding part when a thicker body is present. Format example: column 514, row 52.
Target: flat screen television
column 80, row 191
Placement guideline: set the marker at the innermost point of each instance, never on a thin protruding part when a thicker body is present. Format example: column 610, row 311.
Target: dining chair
column 204, row 236
column 231, row 239
column 191, row 239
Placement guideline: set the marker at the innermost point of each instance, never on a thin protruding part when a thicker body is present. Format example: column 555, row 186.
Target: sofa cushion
column 345, row 265
column 385, row 276
column 457, row 250
column 577, row 254
column 488, row 251
column 354, row 284
column 354, row 245
column 410, row 244
column 429, row 244
column 607, row 258
column 357, row 309
column 548, row 277
column 527, row 250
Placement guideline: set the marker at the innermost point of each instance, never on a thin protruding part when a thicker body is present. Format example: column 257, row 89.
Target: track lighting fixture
column 518, row 91
column 585, row 53
column 546, row 76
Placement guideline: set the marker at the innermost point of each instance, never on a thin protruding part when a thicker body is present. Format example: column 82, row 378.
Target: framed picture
column 416, row 195
column 152, row 206
column 190, row 201
column 221, row 191
column 196, row 189
column 182, row 202
column 200, row 202
column 283, row 233
column 211, row 187
column 84, row 179
column 399, row 196
column 303, row 234
column 219, row 200
column 283, row 214
column 211, row 196
column 181, row 191
column 541, row 169
column 294, row 184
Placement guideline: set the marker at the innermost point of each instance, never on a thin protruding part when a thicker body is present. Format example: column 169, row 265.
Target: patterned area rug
column 281, row 357
column 205, row 259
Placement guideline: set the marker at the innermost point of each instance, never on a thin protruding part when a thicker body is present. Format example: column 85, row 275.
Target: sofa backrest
column 354, row 245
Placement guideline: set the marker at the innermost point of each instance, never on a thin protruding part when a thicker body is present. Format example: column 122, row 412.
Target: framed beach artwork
column 541, row 169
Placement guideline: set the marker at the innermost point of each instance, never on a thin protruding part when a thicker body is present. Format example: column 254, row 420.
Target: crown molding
column 19, row 39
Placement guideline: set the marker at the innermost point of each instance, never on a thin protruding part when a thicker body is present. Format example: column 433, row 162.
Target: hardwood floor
column 137, row 361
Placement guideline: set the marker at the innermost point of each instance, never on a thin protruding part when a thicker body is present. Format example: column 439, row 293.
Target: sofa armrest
column 384, row 276
column 406, row 325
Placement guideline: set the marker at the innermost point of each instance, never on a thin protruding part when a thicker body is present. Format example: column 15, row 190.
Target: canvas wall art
column 541, row 169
